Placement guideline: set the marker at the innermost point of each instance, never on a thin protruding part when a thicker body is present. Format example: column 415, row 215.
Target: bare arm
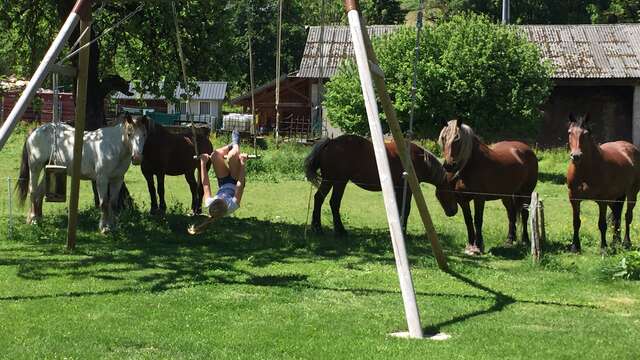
column 204, row 175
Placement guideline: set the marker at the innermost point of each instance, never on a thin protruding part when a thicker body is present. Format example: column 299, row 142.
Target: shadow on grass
column 149, row 254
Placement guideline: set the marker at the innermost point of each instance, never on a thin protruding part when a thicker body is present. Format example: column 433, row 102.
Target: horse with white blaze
column 106, row 156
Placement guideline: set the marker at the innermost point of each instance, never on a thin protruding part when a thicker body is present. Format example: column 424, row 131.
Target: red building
column 65, row 103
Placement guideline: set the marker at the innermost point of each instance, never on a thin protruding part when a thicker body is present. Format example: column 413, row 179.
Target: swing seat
column 55, row 183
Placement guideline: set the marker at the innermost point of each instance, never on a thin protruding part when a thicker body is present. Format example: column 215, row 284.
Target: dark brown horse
column 351, row 158
column 166, row 153
column 479, row 172
column 606, row 173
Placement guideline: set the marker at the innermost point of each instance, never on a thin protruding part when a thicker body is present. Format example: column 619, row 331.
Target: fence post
column 534, row 228
column 543, row 234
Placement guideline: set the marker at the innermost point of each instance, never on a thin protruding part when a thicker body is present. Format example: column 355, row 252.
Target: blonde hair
column 455, row 130
column 218, row 208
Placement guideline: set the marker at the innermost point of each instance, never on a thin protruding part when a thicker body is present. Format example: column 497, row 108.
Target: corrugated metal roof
column 209, row 90
column 336, row 46
column 589, row 51
column 576, row 51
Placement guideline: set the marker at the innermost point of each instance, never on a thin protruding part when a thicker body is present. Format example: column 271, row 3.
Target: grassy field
column 254, row 286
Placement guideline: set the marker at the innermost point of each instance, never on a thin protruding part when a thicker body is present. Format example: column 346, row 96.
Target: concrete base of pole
column 435, row 337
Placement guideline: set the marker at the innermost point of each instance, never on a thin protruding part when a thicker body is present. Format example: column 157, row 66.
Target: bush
column 469, row 68
column 629, row 268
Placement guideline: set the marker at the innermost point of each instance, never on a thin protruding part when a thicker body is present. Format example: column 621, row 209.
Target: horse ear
column 458, row 123
column 585, row 120
column 572, row 118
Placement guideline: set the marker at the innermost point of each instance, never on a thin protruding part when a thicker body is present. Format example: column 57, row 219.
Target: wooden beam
column 81, row 114
column 64, row 70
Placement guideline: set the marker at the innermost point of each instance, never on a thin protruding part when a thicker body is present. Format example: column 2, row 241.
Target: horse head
column 456, row 142
column 579, row 137
column 433, row 172
column 136, row 131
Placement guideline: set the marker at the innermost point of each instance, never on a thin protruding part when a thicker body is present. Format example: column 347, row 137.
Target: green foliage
column 629, row 268
column 470, row 68
column 616, row 11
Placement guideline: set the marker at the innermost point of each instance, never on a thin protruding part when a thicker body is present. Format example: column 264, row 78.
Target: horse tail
column 22, row 185
column 312, row 162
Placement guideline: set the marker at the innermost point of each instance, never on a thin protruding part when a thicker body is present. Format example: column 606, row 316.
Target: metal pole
column 506, row 14
column 41, row 72
column 81, row 113
column 278, row 73
column 10, row 220
column 393, row 218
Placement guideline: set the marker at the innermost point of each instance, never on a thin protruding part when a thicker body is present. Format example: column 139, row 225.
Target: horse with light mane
column 607, row 173
column 351, row 158
column 506, row 171
column 106, row 156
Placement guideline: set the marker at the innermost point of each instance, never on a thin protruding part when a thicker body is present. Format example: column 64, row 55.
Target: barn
column 597, row 71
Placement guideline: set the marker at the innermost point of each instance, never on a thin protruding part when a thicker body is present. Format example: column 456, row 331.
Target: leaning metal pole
column 42, row 70
column 384, row 172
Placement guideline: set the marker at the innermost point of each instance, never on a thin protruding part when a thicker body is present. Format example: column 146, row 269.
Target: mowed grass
column 254, row 286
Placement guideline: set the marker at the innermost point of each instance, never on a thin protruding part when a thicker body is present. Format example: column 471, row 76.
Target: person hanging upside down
column 231, row 181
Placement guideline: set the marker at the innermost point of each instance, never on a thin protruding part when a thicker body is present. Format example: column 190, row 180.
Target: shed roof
column 209, row 90
column 336, row 46
column 589, row 51
column 577, row 51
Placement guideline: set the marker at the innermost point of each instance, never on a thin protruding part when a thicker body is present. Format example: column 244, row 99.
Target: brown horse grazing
column 171, row 154
column 606, row 173
column 507, row 168
column 351, row 158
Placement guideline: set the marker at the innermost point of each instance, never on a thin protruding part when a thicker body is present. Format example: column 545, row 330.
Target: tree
column 529, row 11
column 470, row 68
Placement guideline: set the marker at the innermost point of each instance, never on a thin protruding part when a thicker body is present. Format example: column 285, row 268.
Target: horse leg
column 602, row 225
column 36, row 192
column 524, row 216
column 404, row 212
column 575, row 245
column 628, row 217
column 318, row 199
column 478, row 209
column 511, row 215
column 336, row 199
column 114, row 190
column 102, row 185
column 96, row 197
column 163, row 205
column 616, row 214
column 152, row 192
column 471, row 236
column 193, row 187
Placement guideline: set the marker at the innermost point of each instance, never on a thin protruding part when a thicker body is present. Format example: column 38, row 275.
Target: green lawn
column 255, row 287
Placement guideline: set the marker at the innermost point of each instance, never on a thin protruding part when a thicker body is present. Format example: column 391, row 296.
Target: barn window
column 204, row 108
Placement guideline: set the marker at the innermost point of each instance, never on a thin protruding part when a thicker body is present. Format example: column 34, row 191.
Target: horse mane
column 467, row 140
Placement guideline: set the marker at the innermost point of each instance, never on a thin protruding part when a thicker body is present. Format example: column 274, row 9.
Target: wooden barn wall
column 610, row 109
column 294, row 103
column 46, row 114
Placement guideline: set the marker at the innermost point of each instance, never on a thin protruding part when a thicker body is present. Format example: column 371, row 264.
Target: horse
column 351, row 158
column 506, row 171
column 606, row 173
column 166, row 153
column 106, row 156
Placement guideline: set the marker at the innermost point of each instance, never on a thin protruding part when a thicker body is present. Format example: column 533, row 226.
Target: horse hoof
column 472, row 250
column 575, row 249
column 316, row 229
